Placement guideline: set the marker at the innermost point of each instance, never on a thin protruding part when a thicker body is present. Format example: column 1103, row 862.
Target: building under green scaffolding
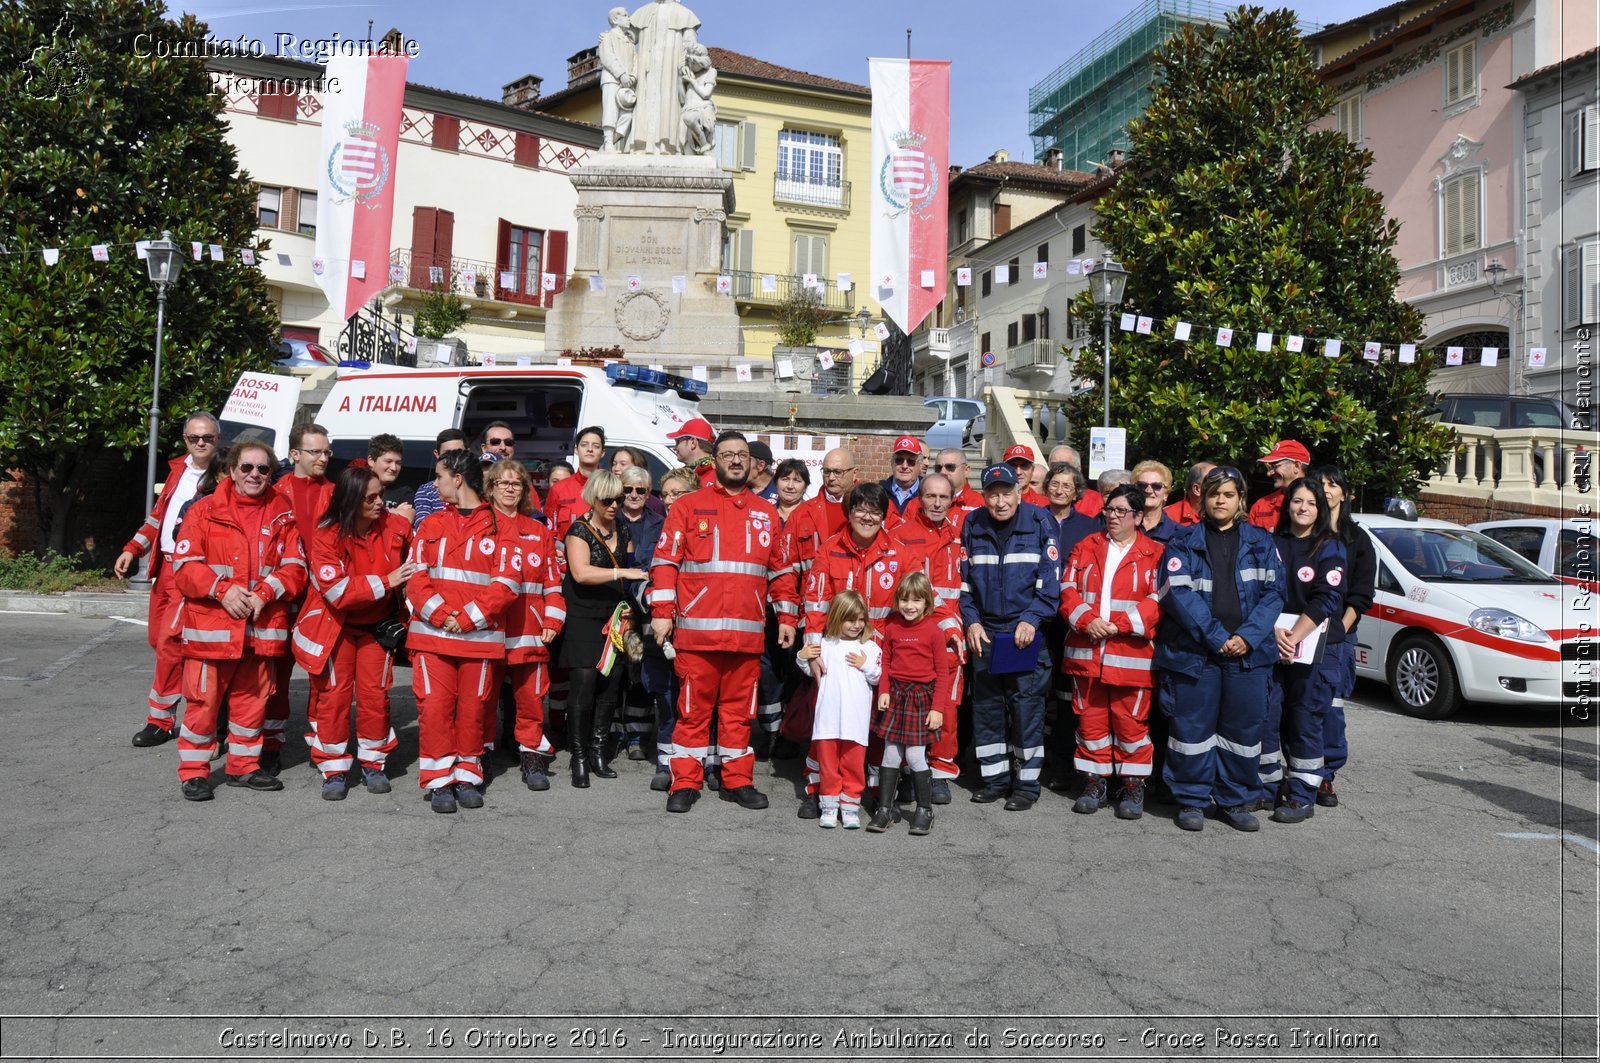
column 1084, row 106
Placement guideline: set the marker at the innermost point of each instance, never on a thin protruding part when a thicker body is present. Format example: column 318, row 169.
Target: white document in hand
column 1310, row 649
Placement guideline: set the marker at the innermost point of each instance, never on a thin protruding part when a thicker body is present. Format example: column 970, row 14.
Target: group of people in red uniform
column 879, row 609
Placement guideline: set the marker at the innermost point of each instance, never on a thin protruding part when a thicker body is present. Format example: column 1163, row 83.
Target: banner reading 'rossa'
column 910, row 193
column 355, row 184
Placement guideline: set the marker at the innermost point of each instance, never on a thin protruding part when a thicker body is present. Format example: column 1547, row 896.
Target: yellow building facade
column 798, row 146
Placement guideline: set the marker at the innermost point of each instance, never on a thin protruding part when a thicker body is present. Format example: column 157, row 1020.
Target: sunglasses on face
column 1148, row 486
column 909, row 459
column 500, row 442
column 200, row 439
column 636, row 490
column 949, row 467
column 247, row 469
column 607, row 501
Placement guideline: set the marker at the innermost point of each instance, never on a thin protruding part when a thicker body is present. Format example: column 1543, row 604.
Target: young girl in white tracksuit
column 846, row 665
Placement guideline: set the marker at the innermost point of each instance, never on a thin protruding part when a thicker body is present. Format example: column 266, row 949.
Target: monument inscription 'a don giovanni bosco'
column 656, row 81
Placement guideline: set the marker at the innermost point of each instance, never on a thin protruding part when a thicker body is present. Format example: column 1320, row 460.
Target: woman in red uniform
column 357, row 559
column 238, row 565
column 1108, row 598
column 458, row 595
column 534, row 619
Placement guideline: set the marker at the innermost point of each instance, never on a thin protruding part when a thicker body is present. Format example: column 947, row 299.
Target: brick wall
column 103, row 520
column 1474, row 510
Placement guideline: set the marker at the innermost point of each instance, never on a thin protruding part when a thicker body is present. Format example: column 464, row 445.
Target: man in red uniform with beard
column 719, row 557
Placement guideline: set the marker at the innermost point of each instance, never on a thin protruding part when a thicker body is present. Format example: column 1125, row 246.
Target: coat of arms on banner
column 909, row 177
column 358, row 166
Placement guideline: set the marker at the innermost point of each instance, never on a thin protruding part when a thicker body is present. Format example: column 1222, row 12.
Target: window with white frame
column 1348, row 117
column 810, row 167
column 1584, row 145
column 269, row 204
column 1461, row 74
column 810, row 254
column 1580, row 304
column 306, row 217
column 1461, row 213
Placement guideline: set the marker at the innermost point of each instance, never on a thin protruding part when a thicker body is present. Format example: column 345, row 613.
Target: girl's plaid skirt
column 906, row 721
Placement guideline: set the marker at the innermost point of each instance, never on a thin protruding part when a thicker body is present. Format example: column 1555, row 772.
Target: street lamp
column 162, row 259
column 1106, row 281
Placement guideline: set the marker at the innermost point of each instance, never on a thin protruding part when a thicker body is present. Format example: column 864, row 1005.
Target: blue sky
column 998, row 48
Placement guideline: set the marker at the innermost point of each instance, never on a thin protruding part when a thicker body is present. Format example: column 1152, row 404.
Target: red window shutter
column 1002, row 223
column 447, row 132
column 444, row 239
column 502, row 254
column 424, row 222
column 555, row 261
column 527, row 150
column 288, row 102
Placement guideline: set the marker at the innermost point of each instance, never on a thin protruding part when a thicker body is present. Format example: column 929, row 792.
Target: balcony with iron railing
column 1033, row 354
column 748, row 287
column 810, row 190
column 467, row 277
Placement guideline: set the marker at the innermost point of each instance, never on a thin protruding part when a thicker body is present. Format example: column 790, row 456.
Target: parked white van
column 545, row 405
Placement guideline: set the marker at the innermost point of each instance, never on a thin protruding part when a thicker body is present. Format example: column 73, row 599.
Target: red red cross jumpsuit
column 935, row 550
column 349, row 593
column 166, row 686
column 464, row 571
column 229, row 540
column 533, row 620
column 719, row 557
column 308, row 500
column 873, row 573
column 1111, row 677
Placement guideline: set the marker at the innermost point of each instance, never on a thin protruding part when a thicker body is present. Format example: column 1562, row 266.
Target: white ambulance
column 545, row 405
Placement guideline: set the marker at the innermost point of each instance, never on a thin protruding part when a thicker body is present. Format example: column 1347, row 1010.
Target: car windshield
column 1457, row 555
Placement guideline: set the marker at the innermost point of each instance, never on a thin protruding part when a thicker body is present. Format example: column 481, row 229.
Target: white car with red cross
column 1459, row 617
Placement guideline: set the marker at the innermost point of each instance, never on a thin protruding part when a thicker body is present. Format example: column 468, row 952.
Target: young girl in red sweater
column 914, row 693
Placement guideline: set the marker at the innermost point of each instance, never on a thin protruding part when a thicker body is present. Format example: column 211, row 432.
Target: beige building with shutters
column 481, row 196
column 798, row 146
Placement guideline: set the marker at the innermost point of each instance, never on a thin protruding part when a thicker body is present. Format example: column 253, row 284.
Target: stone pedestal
column 654, row 217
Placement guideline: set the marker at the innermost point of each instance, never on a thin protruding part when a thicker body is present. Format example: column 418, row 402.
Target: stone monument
column 653, row 204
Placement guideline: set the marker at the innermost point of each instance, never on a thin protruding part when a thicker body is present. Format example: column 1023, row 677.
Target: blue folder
column 1007, row 658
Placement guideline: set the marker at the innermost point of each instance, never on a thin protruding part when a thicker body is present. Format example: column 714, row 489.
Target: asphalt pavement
column 1446, row 909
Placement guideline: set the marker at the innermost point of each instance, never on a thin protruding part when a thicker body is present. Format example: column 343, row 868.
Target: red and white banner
column 910, row 193
column 355, row 183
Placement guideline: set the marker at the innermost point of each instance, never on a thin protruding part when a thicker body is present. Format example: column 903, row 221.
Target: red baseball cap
column 1292, row 449
column 1021, row 450
column 694, row 428
column 908, row 443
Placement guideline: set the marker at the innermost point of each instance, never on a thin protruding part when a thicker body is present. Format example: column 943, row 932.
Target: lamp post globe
column 164, row 263
column 1106, row 281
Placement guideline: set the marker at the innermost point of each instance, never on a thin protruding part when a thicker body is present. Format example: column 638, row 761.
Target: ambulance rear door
column 261, row 409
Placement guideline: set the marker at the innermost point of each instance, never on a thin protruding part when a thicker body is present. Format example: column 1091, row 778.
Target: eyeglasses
column 636, row 490
column 909, row 459
column 506, row 442
column 948, row 467
column 372, row 498
column 1117, row 512
column 248, row 469
column 607, row 501
column 1147, row 485
column 836, row 472
column 508, row 481
column 200, row 439
column 314, row 453
column 733, row 455
column 868, row 515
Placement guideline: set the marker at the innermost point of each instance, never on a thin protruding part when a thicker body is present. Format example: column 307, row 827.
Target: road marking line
column 132, row 620
column 1576, row 839
column 66, row 662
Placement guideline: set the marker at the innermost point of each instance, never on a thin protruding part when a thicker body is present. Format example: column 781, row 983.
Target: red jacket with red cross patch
column 539, row 605
column 720, row 557
column 228, row 542
column 842, row 566
column 464, row 570
column 349, row 585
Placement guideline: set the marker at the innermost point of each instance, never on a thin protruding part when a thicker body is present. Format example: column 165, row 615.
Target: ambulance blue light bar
column 638, row 374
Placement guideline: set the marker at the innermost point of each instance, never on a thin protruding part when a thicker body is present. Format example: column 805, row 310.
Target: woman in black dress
column 597, row 552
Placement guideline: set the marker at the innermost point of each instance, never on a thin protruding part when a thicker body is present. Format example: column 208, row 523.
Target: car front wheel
column 1423, row 680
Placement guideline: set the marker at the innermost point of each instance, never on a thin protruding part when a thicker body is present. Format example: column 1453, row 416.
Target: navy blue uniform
column 1216, row 704
column 1010, row 574
column 1302, row 693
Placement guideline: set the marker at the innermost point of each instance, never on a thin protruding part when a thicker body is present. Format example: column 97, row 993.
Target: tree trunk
column 61, row 490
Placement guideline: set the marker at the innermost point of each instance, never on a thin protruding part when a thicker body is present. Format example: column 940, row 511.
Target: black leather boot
column 599, row 750
column 577, row 732
column 922, row 818
column 886, row 812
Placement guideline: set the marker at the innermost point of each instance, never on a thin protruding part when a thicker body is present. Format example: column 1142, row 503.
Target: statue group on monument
column 656, row 83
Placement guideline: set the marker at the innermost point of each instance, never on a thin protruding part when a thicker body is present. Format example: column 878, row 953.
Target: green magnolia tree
column 103, row 143
column 1236, row 212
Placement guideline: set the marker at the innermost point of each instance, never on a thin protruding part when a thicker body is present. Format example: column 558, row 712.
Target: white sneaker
column 850, row 820
column 829, row 819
